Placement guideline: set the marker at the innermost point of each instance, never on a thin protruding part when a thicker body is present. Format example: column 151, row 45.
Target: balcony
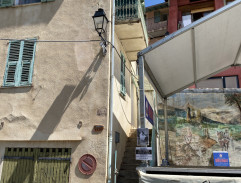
column 130, row 27
column 156, row 29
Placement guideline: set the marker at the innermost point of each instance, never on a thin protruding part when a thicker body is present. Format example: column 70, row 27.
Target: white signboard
column 142, row 137
column 143, row 153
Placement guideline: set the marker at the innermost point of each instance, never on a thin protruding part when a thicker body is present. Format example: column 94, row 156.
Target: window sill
column 8, row 87
column 23, row 5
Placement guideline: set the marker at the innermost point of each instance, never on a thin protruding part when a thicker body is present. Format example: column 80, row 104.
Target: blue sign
column 149, row 111
column 221, row 158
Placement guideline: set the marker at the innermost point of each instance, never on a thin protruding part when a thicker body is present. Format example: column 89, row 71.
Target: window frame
column 224, row 81
column 19, row 65
column 157, row 16
column 12, row 3
column 122, row 76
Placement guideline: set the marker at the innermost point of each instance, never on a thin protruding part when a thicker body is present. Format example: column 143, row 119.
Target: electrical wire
column 122, row 104
column 125, row 64
column 72, row 41
column 49, row 41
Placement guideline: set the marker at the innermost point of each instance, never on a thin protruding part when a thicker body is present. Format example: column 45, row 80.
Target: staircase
column 127, row 172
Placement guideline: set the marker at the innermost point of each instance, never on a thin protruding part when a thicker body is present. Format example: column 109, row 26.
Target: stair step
column 129, row 155
column 131, row 143
column 130, row 161
column 129, row 166
column 130, row 150
column 128, row 173
column 127, row 180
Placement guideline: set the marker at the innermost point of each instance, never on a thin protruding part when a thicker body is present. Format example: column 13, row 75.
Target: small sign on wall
column 143, row 153
column 142, row 137
column 221, row 158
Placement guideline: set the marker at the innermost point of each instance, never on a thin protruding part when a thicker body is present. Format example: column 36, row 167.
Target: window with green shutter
column 20, row 60
column 123, row 84
column 8, row 3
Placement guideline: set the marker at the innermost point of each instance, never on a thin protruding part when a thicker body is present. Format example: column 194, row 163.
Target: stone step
column 130, row 150
column 130, row 160
column 127, row 180
column 129, row 166
column 134, row 131
column 131, row 143
column 129, row 155
column 128, row 174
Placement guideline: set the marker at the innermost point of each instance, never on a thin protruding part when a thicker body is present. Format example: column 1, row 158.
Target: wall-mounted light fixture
column 101, row 21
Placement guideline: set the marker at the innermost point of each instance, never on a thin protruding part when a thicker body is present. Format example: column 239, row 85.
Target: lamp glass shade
column 100, row 21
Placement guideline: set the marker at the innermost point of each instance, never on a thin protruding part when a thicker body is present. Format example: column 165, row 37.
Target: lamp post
column 101, row 21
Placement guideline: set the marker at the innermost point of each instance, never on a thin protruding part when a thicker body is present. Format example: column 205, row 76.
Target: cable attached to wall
column 72, row 41
column 121, row 103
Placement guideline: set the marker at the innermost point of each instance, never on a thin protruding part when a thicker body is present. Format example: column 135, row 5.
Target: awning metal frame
column 143, row 66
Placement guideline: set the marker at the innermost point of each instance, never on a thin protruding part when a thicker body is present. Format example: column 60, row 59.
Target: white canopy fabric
column 162, row 178
column 195, row 52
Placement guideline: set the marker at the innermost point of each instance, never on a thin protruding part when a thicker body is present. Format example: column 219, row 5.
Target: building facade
column 56, row 89
column 170, row 16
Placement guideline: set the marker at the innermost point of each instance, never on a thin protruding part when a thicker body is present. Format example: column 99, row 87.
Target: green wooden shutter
column 10, row 77
column 20, row 62
column 6, row 3
column 36, row 165
column 18, row 165
column 123, row 85
column 27, row 62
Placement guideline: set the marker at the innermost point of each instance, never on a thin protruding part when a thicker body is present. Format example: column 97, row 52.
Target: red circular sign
column 87, row 164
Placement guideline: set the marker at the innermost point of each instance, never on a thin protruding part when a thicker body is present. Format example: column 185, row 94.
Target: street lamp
column 101, row 21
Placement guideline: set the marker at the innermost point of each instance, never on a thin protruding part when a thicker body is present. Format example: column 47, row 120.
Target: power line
column 70, row 41
column 121, row 58
column 122, row 104
column 50, row 41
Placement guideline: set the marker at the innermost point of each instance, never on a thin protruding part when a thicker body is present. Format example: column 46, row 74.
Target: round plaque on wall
column 87, row 164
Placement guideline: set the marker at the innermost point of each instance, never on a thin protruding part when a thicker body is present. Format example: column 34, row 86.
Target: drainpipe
column 110, row 138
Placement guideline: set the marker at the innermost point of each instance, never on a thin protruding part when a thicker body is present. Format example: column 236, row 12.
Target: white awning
column 195, row 52
column 163, row 178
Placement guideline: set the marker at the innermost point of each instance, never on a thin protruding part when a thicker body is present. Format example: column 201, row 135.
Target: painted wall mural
column 202, row 122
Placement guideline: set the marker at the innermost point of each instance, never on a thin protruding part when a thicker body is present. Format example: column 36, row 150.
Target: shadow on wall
column 70, row 92
column 27, row 15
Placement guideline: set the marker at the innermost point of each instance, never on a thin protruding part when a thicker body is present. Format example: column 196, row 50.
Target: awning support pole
column 142, row 97
column 142, row 91
column 166, row 162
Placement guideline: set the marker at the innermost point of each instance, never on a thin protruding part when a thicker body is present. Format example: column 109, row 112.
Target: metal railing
column 126, row 9
column 130, row 10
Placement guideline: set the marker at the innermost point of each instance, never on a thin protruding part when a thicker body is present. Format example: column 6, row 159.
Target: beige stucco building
column 56, row 88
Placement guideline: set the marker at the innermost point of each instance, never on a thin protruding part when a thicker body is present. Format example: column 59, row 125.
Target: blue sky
column 152, row 2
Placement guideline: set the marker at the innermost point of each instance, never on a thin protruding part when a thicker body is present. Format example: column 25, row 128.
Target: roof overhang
column 195, row 52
